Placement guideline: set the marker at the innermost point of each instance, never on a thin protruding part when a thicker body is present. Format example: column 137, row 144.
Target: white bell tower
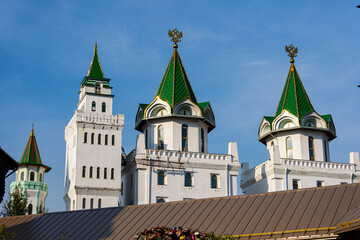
column 93, row 145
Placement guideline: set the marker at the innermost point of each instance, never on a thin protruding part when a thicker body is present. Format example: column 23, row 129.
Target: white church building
column 93, row 145
column 171, row 161
column 297, row 140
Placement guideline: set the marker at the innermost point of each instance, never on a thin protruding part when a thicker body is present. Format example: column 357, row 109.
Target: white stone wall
column 300, row 142
column 176, row 164
column 173, row 135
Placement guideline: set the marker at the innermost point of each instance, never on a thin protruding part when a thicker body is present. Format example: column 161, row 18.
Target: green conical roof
column 95, row 70
column 294, row 98
column 175, row 86
column 31, row 153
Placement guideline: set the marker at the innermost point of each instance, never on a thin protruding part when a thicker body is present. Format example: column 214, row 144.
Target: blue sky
column 233, row 53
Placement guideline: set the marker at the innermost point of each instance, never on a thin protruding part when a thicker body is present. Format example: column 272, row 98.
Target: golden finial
column 292, row 52
column 175, row 36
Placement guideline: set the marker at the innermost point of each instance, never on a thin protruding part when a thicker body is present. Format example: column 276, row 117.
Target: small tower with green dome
column 30, row 176
column 297, row 140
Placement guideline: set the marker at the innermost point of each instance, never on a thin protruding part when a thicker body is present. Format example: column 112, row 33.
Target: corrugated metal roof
column 278, row 214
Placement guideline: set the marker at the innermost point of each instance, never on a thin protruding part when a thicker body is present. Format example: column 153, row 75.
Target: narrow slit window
column 99, row 139
column 99, row 203
column 112, row 174
column 98, row 173
column 83, row 203
column 214, row 181
column 103, row 107
column 105, row 173
column 106, row 139
column 202, row 142
column 91, row 172
column 92, row 138
column 93, row 106
column 91, row 203
column 311, row 149
column 84, row 172
column 113, row 140
column 184, row 137
column 289, row 148
column 85, row 137
column 161, row 137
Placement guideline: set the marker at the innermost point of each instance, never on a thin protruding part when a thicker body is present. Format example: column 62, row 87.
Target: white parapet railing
column 318, row 164
column 101, row 118
column 256, row 171
column 175, row 156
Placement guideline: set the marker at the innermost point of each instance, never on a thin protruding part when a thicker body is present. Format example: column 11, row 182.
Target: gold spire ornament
column 292, row 52
column 175, row 36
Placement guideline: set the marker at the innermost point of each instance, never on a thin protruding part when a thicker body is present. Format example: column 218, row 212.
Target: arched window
column 30, row 209
column 93, row 106
column 311, row 149
column 105, row 173
column 91, row 203
column 161, row 137
column 160, row 200
column 92, row 138
column 99, row 203
column 113, row 140
column 99, row 139
column 214, row 181
column 289, row 148
column 103, row 107
column 146, row 139
column 32, row 176
column 112, row 174
column 85, row 137
column 84, row 203
column 84, row 171
column 40, row 177
column 161, row 178
column 73, row 205
column 184, row 137
column 91, row 172
column 188, row 180
column 106, row 139
column 22, row 176
column 97, row 88
column 98, row 173
column 202, row 142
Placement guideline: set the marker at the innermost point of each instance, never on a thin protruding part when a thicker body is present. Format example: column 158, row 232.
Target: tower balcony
column 41, row 186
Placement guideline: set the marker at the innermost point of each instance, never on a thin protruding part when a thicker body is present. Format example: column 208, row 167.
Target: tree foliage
column 16, row 204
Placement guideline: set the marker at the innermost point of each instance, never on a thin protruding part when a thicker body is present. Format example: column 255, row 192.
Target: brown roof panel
column 221, row 202
column 250, row 214
column 299, row 210
column 318, row 216
column 312, row 204
column 220, row 217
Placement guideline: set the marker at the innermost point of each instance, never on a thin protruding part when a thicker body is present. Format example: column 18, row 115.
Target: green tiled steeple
column 294, row 98
column 175, row 86
column 31, row 153
column 95, row 70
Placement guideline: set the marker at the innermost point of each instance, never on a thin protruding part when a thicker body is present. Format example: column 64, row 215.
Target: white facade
column 93, row 149
column 141, row 184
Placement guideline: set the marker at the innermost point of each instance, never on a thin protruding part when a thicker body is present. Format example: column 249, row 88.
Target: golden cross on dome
column 175, row 36
column 292, row 52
